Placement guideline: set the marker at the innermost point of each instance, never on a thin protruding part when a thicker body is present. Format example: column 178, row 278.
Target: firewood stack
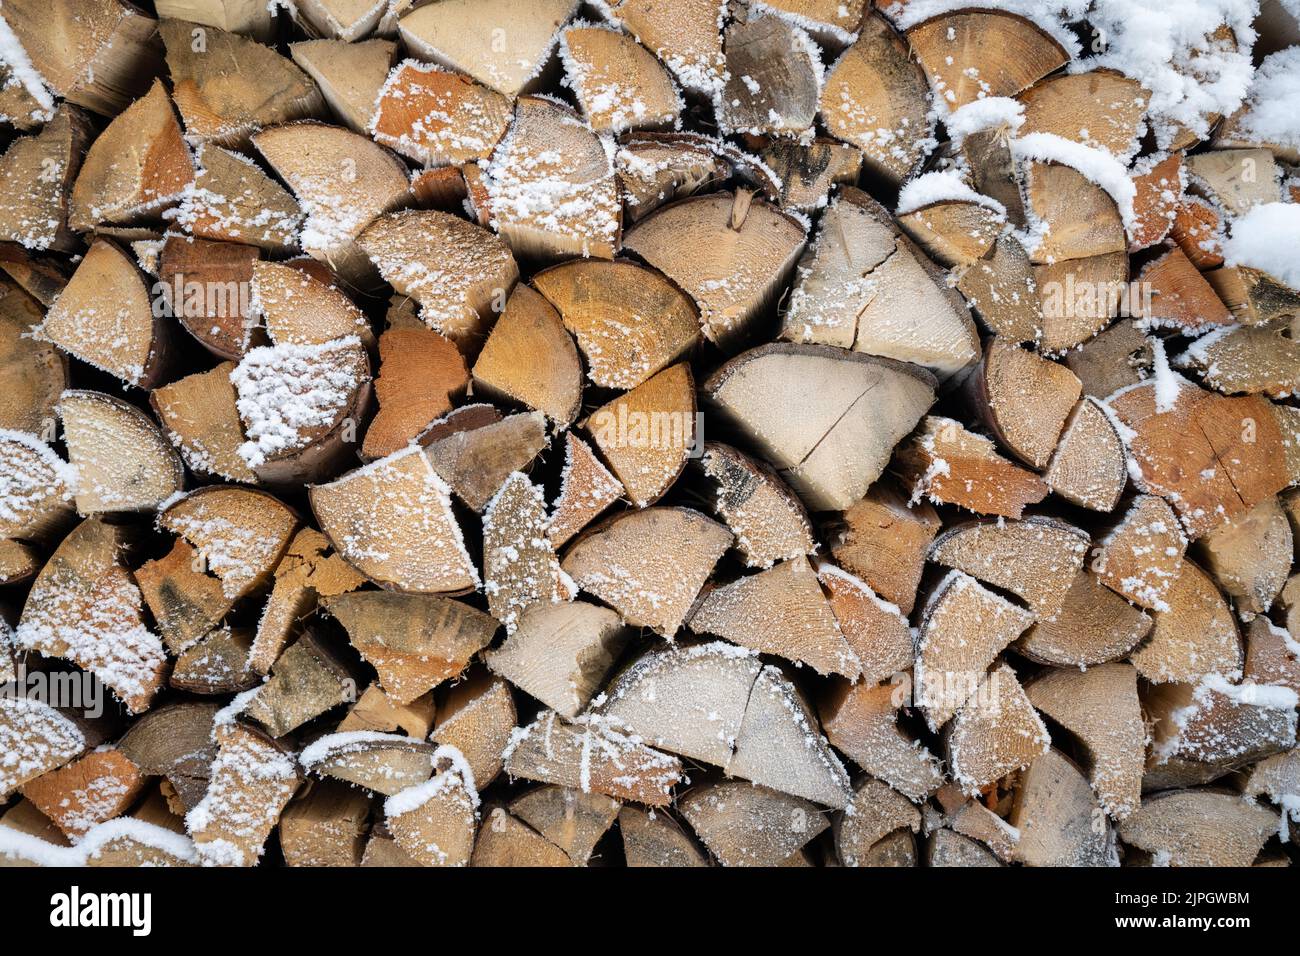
column 649, row 432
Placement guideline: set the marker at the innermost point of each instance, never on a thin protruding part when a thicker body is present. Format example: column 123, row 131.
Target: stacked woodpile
column 649, row 432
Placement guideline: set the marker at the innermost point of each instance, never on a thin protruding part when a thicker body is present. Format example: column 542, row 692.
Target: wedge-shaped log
column 1200, row 828
column 784, row 71
column 843, row 438
column 1034, row 558
column 630, row 322
column 730, row 253
column 948, row 464
column 435, row 821
column 1100, row 707
column 876, row 812
column 767, row 518
column 39, row 737
column 1054, row 810
column 530, row 358
column 392, row 520
column 745, row 825
column 963, row 629
column 438, row 118
column 561, row 653
column 1141, row 557
column 656, row 839
column 379, row 762
column 349, row 75
column 233, row 200
column 997, row 731
column 572, row 820
column 1024, row 399
column 649, row 565
column 586, row 489
column 1088, row 466
column 476, row 461
column 85, row 607
column 1092, row 625
column 1195, row 635
column 779, row 611
column 861, row 721
column 36, row 176
column 477, row 717
column 618, row 83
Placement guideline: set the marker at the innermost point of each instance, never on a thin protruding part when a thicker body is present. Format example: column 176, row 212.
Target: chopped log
column 653, row 838
column 1101, row 108
column 240, row 533
column 1142, row 556
column 349, row 75
column 456, row 271
column 586, row 489
column 374, row 711
column 306, row 681
column 561, row 653
column 248, row 17
column 175, row 742
column 968, row 54
column 382, row 849
column 438, row 118
column 649, row 565
column 876, row 631
column 1055, row 812
column 1252, row 296
column 972, row 819
column 861, row 721
column 120, row 182
column 884, row 539
column 808, row 172
column 1081, row 218
column 227, row 87
column 232, row 200
column 252, row 782
column 1088, row 467
column 208, row 286
column 550, row 185
column 343, row 19
column 947, row 848
column 864, row 285
column 1024, row 399
column 947, row 464
column 647, row 434
column 38, row 488
column 101, row 785
column 39, row 737
column 1119, row 356
column 1002, row 291
column 1199, row 828
column 593, row 757
column 687, row 37
column 185, row 600
column 839, row 445
column 1175, row 294
column 18, row 562
column 503, row 840
column 952, row 232
column 34, row 373
column 414, row 641
column 964, row 627
column 392, row 521
column 572, row 820
column 875, row 813
column 619, row 84
column 497, row 42
column 1272, row 653
column 216, row 664
column 476, row 461
column 420, row 372
column 1258, row 359
column 1250, row 557
column 1079, row 298
column 342, row 181
column 1195, row 635
column 875, row 97
column 1158, row 194
column 379, row 762
column 1216, row 725
column 36, row 177
column 308, row 570
column 773, row 78
column 655, row 169
column 1198, row 231
column 132, row 841
column 530, row 358
column 768, row 520
column 996, row 732
column 105, row 317
column 325, row 825
column 1234, row 179
column 477, row 717
column 1092, row 625
column 745, row 825
column 730, row 253
column 200, row 418
column 630, row 322
column 1212, row 457
column 1100, row 707
column 98, row 54
column 85, row 607
column 779, row 611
